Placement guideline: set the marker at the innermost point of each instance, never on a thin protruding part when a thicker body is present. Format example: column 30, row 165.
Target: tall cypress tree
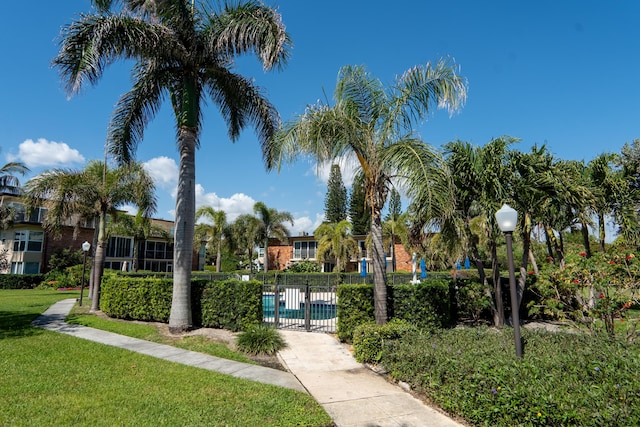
column 395, row 206
column 335, row 202
column 359, row 212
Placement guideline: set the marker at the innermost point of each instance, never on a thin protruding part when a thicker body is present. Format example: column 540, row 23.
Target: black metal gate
column 305, row 303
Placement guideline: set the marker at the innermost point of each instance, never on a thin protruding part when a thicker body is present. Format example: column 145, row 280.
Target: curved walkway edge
column 318, row 364
column 53, row 319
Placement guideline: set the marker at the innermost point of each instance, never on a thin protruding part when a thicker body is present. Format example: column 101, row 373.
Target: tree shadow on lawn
column 17, row 325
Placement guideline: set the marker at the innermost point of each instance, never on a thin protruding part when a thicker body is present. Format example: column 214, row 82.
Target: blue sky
column 565, row 73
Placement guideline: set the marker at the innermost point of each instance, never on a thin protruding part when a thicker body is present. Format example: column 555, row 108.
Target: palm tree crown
column 184, row 53
column 374, row 125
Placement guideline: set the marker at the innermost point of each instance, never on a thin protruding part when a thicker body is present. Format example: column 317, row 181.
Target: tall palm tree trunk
column 180, row 318
column 98, row 264
column 585, row 239
column 379, row 276
column 498, row 313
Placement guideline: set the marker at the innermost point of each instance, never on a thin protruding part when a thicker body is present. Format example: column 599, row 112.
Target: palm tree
column 91, row 194
column 480, row 175
column 271, row 226
column 245, row 232
column 335, row 242
column 214, row 233
column 375, row 126
column 10, row 183
column 183, row 53
column 608, row 185
column 140, row 228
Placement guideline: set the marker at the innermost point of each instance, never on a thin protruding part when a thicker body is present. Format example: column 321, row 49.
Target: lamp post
column 507, row 217
column 85, row 248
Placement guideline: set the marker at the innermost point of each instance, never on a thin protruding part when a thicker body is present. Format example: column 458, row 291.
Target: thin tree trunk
column 524, row 261
column 266, row 254
column 379, row 276
column 180, row 318
column 98, row 264
column 585, row 239
column 534, row 264
column 602, row 233
column 218, row 259
column 498, row 314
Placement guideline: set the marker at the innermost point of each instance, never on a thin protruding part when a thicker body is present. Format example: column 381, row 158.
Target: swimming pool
column 319, row 309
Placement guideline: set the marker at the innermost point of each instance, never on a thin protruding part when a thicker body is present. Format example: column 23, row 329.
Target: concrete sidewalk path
column 53, row 320
column 352, row 394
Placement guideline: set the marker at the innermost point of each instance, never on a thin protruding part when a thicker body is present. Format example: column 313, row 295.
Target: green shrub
column 260, row 339
column 232, row 304
column 370, row 340
column 563, row 379
column 136, row 298
column 355, row 307
column 20, row 281
column 472, row 302
column 426, row 304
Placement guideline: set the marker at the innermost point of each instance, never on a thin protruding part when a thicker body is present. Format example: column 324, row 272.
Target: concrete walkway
column 352, row 395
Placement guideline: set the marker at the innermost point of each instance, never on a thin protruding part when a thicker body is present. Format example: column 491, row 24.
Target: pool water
column 319, row 309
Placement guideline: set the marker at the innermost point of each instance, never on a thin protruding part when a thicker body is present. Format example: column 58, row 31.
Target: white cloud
column 164, row 172
column 46, row 153
column 234, row 206
column 348, row 167
column 306, row 224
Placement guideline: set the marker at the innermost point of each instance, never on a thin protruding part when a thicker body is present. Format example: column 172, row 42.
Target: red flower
column 576, row 280
column 601, row 296
column 583, row 253
column 532, row 272
column 612, row 262
column 630, row 257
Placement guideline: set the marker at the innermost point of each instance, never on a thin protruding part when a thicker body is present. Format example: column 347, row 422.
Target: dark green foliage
column 335, row 202
column 20, row 281
column 563, row 380
column 260, row 339
column 304, row 266
column 471, row 300
column 65, row 258
column 137, row 298
column 395, row 206
column 371, row 340
column 359, row 211
column 425, row 304
column 232, row 304
column 355, row 307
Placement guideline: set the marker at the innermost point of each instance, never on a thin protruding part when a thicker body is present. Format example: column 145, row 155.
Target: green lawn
column 53, row 379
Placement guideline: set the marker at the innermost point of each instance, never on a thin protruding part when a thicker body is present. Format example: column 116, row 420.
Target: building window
column 305, row 250
column 158, row 250
column 19, row 241
column 31, row 241
column 120, row 247
column 25, row 267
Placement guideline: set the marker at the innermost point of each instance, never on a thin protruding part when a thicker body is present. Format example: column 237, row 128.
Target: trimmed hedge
column 20, row 281
column 355, row 307
column 371, row 340
column 430, row 304
column 230, row 304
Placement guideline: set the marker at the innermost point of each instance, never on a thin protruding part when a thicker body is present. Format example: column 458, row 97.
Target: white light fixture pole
column 85, row 248
column 507, row 218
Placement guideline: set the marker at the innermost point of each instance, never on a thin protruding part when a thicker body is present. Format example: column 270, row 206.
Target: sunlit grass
column 52, row 379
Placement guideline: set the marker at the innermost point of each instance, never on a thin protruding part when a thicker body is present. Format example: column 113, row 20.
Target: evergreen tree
column 395, row 206
column 335, row 202
column 359, row 211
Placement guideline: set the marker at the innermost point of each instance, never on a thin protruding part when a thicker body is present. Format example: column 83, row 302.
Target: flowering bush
column 602, row 287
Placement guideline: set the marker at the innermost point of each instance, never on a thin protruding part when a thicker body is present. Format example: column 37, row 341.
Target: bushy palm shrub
column 260, row 339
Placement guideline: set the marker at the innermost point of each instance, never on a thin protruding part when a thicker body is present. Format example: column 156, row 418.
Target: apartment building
column 304, row 247
column 28, row 247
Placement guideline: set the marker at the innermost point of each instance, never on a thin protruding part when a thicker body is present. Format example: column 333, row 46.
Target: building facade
column 283, row 254
column 27, row 247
